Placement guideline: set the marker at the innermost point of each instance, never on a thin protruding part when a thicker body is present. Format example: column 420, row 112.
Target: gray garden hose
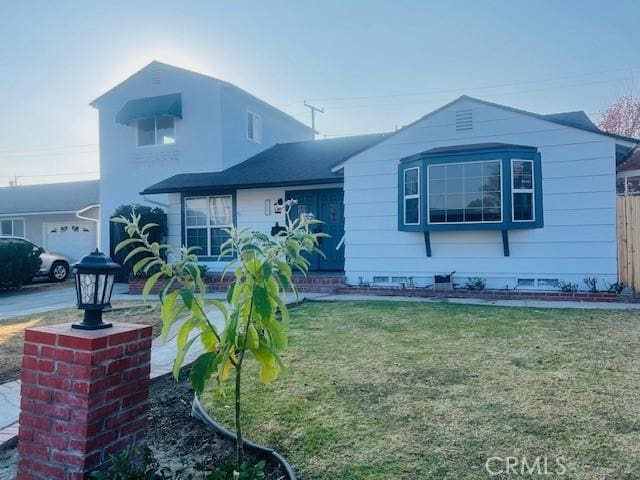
column 199, row 412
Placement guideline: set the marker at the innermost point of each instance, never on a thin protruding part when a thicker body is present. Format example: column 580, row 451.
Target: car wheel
column 59, row 272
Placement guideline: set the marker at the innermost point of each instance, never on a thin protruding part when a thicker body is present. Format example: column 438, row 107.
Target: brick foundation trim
column 84, row 396
column 489, row 294
column 324, row 283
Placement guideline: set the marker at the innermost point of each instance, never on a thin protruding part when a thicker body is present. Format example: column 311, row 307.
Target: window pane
column 166, row 132
column 196, row 212
column 472, row 192
column 220, row 211
column 6, row 228
column 147, row 132
column 197, row 237
column 411, row 181
column 522, row 175
column 218, row 237
column 411, row 213
column 523, row 206
column 436, row 172
column 18, row 228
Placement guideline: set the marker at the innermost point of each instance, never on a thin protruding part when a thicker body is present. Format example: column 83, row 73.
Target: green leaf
column 135, row 252
column 141, row 263
column 219, row 305
column 208, row 339
column 267, row 270
column 202, row 370
column 120, row 219
column 230, row 290
column 168, row 313
column 187, row 297
column 262, row 303
column 150, row 283
column 148, row 226
column 179, row 360
column 126, row 242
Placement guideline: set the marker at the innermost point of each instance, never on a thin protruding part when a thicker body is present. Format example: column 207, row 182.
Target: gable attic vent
column 464, row 120
column 155, row 76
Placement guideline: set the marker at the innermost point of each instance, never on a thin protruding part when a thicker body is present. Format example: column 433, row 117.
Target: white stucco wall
column 208, row 118
column 579, row 234
column 250, row 205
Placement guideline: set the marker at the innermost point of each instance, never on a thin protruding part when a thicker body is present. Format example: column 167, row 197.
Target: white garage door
column 75, row 240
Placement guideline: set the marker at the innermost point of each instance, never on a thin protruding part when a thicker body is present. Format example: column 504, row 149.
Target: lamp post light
column 95, row 275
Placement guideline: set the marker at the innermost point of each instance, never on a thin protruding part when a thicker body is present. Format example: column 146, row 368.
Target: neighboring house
column 60, row 217
column 165, row 120
column 629, row 174
column 485, row 190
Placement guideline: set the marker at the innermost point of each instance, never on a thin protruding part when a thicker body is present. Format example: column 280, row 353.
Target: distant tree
column 623, row 117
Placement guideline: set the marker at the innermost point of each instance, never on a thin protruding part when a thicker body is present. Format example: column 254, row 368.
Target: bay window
column 412, row 196
column 522, row 190
column 206, row 218
column 471, row 187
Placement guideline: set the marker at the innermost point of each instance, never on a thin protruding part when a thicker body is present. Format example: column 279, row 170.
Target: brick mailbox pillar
column 84, row 396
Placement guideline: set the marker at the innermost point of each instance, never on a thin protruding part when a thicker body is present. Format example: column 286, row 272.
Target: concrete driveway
column 38, row 299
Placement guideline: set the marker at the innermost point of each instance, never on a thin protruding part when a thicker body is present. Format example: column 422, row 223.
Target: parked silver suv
column 54, row 265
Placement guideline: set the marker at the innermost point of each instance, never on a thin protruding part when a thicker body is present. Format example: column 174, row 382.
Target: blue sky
column 372, row 64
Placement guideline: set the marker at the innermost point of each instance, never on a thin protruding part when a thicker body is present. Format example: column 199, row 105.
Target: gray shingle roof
column 284, row 164
column 49, row 197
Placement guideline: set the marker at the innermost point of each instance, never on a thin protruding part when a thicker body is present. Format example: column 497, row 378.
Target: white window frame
column 463, row 222
column 209, row 225
column 531, row 190
column 256, row 127
column 406, row 197
column 155, row 138
column 13, row 227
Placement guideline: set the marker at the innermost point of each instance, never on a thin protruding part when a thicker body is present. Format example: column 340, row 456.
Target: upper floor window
column 12, row 227
column 206, row 218
column 483, row 187
column 156, row 131
column 254, row 127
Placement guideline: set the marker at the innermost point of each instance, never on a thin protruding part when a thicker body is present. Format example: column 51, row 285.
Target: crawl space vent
column 464, row 120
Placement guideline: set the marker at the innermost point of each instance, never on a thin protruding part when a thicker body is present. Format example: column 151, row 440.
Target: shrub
column 592, row 284
column 132, row 464
column 616, row 287
column 476, row 283
column 148, row 215
column 566, row 287
column 19, row 262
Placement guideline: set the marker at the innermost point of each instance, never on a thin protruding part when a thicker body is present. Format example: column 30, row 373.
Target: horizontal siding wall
column 579, row 236
column 250, row 212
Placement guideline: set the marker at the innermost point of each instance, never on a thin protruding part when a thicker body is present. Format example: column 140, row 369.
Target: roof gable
column 577, row 119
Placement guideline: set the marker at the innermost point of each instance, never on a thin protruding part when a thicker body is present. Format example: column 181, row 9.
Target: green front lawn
column 394, row 390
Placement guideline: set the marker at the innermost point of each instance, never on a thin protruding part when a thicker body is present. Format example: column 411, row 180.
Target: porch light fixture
column 95, row 275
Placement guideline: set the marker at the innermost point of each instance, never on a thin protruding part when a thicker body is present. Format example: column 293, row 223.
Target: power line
column 40, row 175
column 484, row 87
column 37, row 149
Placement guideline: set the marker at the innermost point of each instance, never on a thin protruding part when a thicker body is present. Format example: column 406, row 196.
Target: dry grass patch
column 379, row 390
column 12, row 337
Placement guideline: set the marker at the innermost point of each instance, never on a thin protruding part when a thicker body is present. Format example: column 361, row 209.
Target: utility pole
column 313, row 116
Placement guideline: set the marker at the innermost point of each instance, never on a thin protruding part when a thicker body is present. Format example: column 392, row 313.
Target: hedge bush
column 19, row 262
column 158, row 234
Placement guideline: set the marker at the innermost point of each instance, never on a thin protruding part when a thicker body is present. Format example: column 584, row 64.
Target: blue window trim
column 505, row 155
column 208, row 193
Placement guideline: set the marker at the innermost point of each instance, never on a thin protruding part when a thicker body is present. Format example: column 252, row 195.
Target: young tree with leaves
column 257, row 323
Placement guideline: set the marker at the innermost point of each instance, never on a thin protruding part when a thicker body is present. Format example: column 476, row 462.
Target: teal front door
column 326, row 205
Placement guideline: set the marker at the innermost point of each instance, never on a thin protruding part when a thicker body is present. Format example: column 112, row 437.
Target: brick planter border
column 490, row 294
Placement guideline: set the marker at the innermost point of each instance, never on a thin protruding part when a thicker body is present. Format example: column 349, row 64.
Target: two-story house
column 165, row 120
